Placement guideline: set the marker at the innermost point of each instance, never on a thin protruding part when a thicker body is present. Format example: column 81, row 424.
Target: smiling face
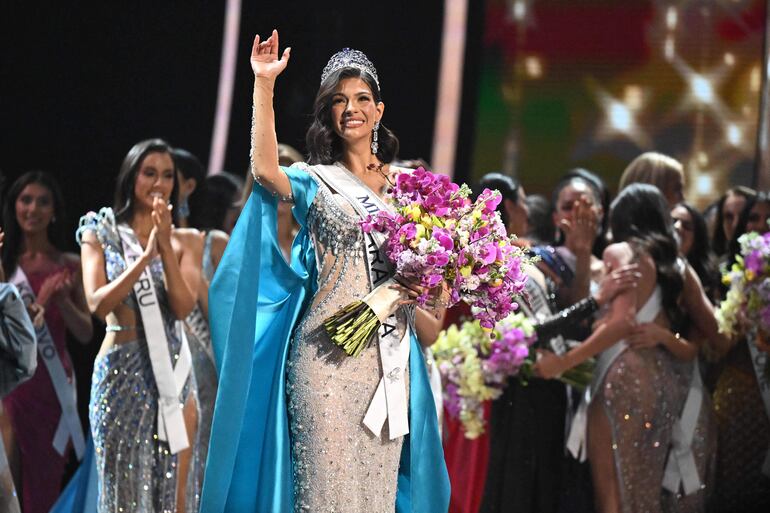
column 34, row 208
column 354, row 111
column 155, row 177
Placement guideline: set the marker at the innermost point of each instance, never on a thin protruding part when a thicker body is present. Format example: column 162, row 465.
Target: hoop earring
column 375, row 144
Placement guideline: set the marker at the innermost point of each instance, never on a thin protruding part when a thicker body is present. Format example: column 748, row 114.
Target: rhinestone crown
column 348, row 58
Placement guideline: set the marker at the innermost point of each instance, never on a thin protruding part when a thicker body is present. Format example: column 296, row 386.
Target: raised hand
column 580, row 229
column 264, row 57
column 36, row 313
column 50, row 287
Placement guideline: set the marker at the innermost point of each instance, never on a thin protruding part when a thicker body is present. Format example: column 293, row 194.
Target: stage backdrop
column 594, row 83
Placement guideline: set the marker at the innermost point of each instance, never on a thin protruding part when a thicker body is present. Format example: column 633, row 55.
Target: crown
column 348, row 58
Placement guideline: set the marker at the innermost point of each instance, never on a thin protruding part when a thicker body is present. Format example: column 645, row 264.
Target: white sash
column 390, row 399
column 69, row 427
column 681, row 469
column 169, row 379
column 576, row 441
column 759, row 360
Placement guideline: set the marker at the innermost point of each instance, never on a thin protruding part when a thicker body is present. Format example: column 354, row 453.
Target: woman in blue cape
column 299, row 425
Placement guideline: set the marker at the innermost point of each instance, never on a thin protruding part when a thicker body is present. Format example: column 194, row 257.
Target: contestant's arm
column 428, row 325
column 264, row 143
column 102, row 296
column 183, row 275
column 701, row 312
column 618, row 325
column 73, row 306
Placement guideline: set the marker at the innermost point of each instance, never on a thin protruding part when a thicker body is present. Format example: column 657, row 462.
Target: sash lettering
column 390, row 399
column 69, row 427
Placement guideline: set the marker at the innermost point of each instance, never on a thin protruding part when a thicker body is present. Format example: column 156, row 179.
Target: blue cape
column 255, row 301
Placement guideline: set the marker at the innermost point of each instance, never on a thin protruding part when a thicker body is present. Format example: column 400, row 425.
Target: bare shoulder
column 219, row 240
column 188, row 235
column 617, row 255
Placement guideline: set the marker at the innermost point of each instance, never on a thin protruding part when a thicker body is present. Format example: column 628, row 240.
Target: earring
column 375, row 144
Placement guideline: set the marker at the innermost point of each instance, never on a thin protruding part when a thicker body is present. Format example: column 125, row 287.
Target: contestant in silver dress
column 133, row 259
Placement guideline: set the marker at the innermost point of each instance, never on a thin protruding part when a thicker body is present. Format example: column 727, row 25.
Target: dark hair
column 700, row 256
column 734, row 247
column 720, row 242
column 598, row 189
column 124, row 189
column 190, row 167
column 13, row 236
column 541, row 229
column 324, row 146
column 640, row 216
column 508, row 187
column 218, row 197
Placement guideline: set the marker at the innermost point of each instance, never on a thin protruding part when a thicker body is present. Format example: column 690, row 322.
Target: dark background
column 81, row 83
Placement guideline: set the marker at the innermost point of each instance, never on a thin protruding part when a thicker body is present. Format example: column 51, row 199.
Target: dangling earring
column 375, row 144
column 184, row 208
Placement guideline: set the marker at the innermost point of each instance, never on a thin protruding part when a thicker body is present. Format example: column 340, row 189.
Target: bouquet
column 438, row 237
column 747, row 304
column 475, row 365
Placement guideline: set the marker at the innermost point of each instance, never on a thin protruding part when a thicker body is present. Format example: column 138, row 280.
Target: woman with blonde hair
column 662, row 171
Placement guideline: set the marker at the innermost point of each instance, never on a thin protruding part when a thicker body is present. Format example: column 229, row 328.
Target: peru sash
column 69, row 427
column 170, row 379
column 390, row 399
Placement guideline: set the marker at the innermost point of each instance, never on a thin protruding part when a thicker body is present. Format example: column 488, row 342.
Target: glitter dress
column 288, row 431
column 137, row 472
column 641, row 396
column 744, row 436
column 338, row 464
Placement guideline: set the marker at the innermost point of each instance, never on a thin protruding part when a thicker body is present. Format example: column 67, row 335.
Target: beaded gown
column 744, row 436
column 338, row 464
column 288, row 431
column 136, row 471
column 642, row 394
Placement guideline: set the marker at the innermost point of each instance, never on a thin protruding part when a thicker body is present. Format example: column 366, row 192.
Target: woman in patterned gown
column 636, row 397
column 298, row 424
column 123, row 251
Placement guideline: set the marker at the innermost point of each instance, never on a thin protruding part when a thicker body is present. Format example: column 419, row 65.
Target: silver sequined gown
column 338, row 464
column 642, row 396
column 136, row 471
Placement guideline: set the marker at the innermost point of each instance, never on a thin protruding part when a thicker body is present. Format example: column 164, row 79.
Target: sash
column 390, row 399
column 681, row 469
column 69, row 427
column 539, row 309
column 170, row 379
column 576, row 441
column 759, row 362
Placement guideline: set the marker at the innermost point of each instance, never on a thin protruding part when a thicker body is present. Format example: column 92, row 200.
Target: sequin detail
column 338, row 464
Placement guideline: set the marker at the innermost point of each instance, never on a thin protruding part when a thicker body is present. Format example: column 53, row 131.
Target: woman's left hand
column 647, row 335
column 161, row 220
column 549, row 365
